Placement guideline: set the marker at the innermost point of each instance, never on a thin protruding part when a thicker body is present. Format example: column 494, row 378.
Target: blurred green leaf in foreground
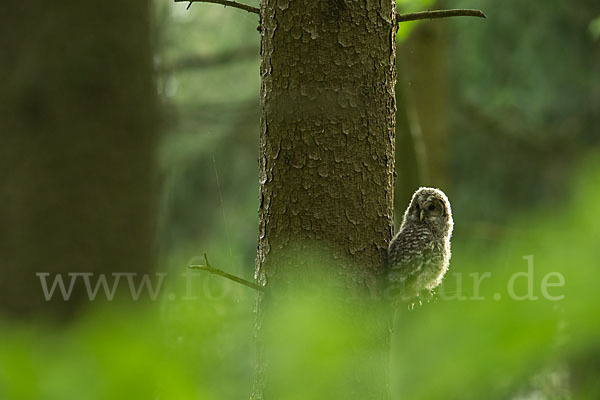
column 489, row 345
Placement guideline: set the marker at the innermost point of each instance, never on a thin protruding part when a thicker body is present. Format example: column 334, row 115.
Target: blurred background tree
column 78, row 118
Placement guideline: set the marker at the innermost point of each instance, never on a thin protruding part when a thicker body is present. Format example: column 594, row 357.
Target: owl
column 419, row 254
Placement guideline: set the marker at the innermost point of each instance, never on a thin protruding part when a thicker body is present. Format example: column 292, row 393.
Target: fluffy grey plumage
column 419, row 254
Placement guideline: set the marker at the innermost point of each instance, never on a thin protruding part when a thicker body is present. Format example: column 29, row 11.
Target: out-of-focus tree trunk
column 79, row 135
column 411, row 165
column 426, row 73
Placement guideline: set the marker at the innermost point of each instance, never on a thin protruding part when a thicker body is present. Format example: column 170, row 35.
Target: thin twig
column 438, row 14
column 226, row 3
column 209, row 268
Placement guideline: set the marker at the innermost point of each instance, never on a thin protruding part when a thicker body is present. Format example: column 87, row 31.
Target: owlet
column 419, row 254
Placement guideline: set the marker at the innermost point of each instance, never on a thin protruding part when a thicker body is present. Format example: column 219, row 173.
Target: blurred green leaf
column 196, row 341
column 595, row 28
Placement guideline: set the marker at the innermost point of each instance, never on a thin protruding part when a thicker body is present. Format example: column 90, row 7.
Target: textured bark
column 326, row 144
column 327, row 123
column 77, row 116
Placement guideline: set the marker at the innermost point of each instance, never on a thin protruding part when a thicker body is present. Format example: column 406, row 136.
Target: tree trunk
column 77, row 175
column 326, row 151
column 427, row 72
column 411, row 160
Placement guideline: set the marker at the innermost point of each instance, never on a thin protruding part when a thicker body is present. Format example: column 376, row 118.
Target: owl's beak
column 421, row 215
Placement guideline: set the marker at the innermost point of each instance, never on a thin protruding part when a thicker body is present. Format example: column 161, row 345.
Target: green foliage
column 104, row 356
column 595, row 28
column 202, row 348
column 523, row 103
column 486, row 348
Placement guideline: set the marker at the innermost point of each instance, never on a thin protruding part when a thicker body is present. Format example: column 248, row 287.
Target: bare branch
column 226, row 3
column 209, row 268
column 438, row 14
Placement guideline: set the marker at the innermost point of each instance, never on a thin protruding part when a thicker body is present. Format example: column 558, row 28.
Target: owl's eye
column 431, row 207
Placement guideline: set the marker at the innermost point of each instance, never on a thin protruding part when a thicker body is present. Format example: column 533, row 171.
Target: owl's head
column 430, row 206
